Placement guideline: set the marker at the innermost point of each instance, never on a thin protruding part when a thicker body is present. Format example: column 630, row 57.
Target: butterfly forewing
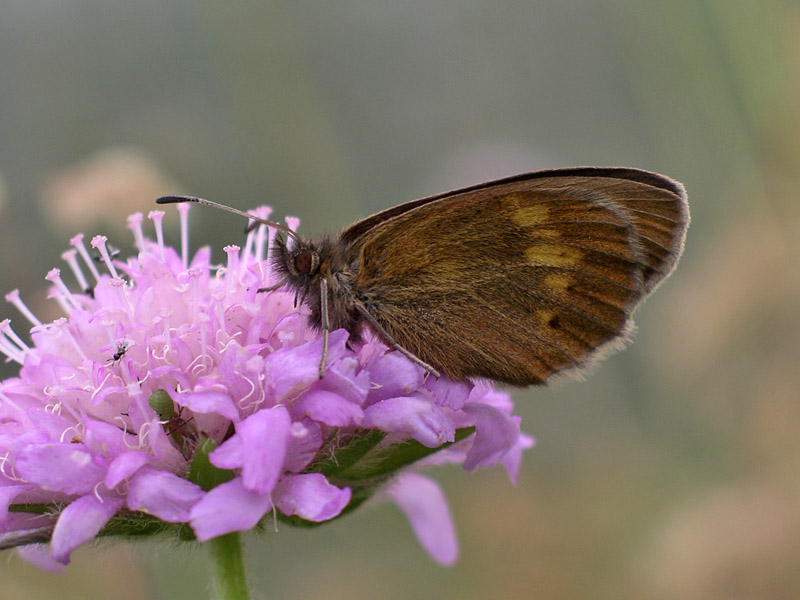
column 519, row 279
column 659, row 215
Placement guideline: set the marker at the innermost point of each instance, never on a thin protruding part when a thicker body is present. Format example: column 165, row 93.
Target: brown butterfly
column 514, row 280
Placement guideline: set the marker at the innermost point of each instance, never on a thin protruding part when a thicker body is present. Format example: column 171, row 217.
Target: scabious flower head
column 174, row 394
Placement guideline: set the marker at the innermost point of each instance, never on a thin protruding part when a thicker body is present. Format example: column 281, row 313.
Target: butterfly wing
column 523, row 278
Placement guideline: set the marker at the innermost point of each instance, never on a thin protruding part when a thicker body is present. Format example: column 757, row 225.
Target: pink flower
column 173, row 392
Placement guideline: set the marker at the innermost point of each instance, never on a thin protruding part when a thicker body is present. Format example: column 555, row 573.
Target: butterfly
column 515, row 280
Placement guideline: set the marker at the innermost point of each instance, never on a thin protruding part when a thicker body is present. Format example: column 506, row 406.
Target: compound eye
column 305, row 262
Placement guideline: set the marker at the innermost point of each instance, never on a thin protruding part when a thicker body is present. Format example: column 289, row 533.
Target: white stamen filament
column 74, row 429
column 263, row 212
column 52, row 404
column 99, row 244
column 12, row 352
column 135, row 225
column 222, row 326
column 63, row 327
column 232, row 268
column 61, row 301
column 70, row 257
column 96, row 492
column 144, row 434
column 101, row 388
column 14, row 298
column 157, row 216
column 248, row 247
column 119, row 283
column 5, row 460
column 54, row 277
column 183, row 213
column 77, row 243
column 194, row 276
column 242, row 402
column 5, row 327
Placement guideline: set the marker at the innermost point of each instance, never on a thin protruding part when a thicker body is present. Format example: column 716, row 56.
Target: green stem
column 229, row 577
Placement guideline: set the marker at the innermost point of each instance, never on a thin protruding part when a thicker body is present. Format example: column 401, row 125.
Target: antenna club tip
column 172, row 199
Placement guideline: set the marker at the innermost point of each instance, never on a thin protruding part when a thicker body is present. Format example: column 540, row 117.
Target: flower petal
column 513, row 457
column 124, row 466
column 79, row 522
column 415, row 417
column 395, row 375
column 161, row 447
column 425, row 507
column 292, row 369
column 59, row 467
column 209, row 401
column 496, row 433
column 265, row 437
column 448, row 393
column 345, row 378
column 7, row 495
column 304, row 442
column 310, row 496
column 163, row 494
column 328, row 408
column 39, row 556
column 228, row 507
column 229, row 454
column 105, row 438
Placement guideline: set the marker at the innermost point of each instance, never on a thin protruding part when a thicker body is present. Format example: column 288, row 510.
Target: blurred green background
column 673, row 470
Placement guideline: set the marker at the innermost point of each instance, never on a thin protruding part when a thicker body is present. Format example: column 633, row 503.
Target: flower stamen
column 183, row 213
column 61, row 293
column 14, row 298
column 99, row 243
column 10, row 343
column 77, row 243
column 157, row 217
column 135, row 225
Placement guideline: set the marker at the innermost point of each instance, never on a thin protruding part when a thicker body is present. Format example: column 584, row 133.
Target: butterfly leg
column 271, row 288
column 326, row 325
column 391, row 341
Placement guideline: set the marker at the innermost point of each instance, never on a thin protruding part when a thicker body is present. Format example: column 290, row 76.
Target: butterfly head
column 299, row 265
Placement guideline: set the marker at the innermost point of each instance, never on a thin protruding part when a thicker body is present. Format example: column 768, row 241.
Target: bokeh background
column 673, row 471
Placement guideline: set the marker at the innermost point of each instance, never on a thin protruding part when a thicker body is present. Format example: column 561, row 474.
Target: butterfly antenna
column 241, row 213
